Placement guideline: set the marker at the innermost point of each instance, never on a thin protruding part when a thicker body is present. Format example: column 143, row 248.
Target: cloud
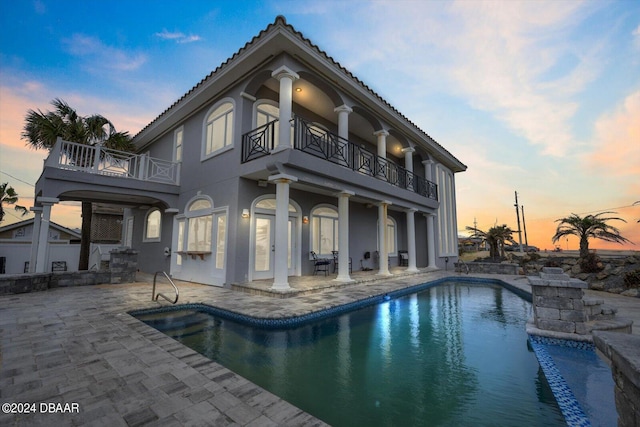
column 99, row 57
column 177, row 36
column 636, row 36
column 617, row 144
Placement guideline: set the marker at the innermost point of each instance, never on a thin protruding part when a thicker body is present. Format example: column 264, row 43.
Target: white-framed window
column 391, row 237
column 178, row 136
column 218, row 129
column 200, row 220
column 266, row 112
column 152, row 225
column 324, row 230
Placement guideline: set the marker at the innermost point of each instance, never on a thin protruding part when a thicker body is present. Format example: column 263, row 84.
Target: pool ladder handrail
column 461, row 261
column 154, row 296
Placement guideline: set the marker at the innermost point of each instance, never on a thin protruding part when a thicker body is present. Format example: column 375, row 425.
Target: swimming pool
column 452, row 354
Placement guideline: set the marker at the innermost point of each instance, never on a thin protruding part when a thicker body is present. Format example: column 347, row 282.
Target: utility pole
column 524, row 225
column 518, row 216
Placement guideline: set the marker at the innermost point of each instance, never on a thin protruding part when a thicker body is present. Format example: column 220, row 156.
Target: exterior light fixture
column 298, row 89
column 245, row 213
column 305, row 220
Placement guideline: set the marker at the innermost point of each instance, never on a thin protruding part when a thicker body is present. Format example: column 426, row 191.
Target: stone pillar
column 123, row 264
column 35, row 238
column 343, row 236
column 286, row 77
column 411, row 240
column 557, row 302
column 43, row 236
column 381, row 163
column 431, row 241
column 408, row 165
column 281, row 269
column 383, row 258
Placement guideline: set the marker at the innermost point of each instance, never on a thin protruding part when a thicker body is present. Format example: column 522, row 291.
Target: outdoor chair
column 320, row 264
column 403, row 258
column 335, row 262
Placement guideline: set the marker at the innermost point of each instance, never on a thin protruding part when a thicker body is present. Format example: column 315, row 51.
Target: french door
column 264, row 246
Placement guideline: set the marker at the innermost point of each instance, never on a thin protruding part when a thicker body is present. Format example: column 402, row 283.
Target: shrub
column 591, row 263
column 632, row 279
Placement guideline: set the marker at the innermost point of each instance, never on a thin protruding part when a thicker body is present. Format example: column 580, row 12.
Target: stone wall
column 123, row 266
column 487, row 267
column 621, row 350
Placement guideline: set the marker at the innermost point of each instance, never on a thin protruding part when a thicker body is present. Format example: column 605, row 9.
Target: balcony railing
column 328, row 146
column 99, row 160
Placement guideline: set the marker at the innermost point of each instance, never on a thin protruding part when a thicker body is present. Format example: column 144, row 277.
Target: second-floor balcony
column 331, row 147
column 99, row 160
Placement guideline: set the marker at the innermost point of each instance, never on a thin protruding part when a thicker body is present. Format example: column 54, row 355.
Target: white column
column 411, row 240
column 431, row 241
column 343, row 132
column 408, row 165
column 35, row 238
column 382, row 151
column 286, row 77
column 43, row 237
column 428, row 171
column 343, row 236
column 281, row 268
column 383, row 258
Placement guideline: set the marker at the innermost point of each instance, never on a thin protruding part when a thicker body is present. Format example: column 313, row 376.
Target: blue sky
column 537, row 97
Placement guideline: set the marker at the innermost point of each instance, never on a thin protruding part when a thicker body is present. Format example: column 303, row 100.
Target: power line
column 17, row 179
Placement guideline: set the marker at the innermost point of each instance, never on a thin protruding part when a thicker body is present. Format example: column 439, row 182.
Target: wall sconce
column 245, row 213
column 305, row 220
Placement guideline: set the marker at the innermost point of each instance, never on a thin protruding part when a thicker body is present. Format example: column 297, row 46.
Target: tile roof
column 281, row 21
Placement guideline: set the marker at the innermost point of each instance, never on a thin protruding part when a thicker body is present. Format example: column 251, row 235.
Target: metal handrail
column 154, row 296
column 461, row 261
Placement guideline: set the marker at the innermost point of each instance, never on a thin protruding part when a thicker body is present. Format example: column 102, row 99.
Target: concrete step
column 592, row 301
column 613, row 325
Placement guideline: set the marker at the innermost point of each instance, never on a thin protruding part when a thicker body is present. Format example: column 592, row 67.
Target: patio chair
column 335, row 262
column 320, row 264
column 403, row 258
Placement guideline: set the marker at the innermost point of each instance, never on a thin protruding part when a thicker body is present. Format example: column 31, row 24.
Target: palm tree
column 41, row 130
column 8, row 196
column 495, row 238
column 590, row 226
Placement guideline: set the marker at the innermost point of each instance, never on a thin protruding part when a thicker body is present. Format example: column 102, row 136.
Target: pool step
column 612, row 325
column 595, row 309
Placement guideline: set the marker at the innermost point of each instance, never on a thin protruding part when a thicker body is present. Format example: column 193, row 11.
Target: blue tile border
column 581, row 345
column 573, row 413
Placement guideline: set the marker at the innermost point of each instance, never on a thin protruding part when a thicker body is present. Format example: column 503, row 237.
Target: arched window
column 218, row 129
column 200, row 221
column 152, row 225
column 267, row 112
column 324, row 230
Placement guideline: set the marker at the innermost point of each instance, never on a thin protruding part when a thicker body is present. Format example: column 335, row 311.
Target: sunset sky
column 542, row 98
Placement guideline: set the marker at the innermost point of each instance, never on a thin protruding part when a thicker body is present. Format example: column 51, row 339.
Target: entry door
column 264, row 248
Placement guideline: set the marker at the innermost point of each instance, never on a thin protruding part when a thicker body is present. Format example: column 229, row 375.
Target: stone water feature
column 561, row 311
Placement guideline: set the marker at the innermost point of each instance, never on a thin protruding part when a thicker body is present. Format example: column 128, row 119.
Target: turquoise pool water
column 452, row 355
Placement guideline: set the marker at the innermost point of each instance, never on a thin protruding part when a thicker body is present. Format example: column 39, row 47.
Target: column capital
column 36, row 209
column 384, row 203
column 172, row 211
column 345, row 193
column 428, row 162
column 343, row 109
column 411, row 210
column 381, row 132
column 429, row 214
column 284, row 71
column 282, row 177
column 47, row 200
column 408, row 150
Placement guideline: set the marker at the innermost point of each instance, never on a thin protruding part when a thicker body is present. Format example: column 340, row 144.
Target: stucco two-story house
column 278, row 153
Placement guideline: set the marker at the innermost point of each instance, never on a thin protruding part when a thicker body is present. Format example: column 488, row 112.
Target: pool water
column 451, row 355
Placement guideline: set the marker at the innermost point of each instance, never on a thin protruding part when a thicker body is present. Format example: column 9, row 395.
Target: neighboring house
column 279, row 152
column 15, row 247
